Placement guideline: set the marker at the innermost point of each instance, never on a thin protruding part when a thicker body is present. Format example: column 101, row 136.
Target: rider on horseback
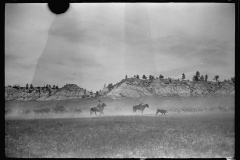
column 140, row 102
column 99, row 103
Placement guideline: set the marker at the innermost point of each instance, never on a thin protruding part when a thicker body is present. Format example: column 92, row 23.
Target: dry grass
column 174, row 135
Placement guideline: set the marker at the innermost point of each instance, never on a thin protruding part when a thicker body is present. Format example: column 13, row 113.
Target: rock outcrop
column 133, row 87
column 69, row 91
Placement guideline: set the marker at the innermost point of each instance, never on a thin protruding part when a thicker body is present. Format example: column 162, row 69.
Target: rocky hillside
column 133, row 87
column 69, row 91
column 130, row 87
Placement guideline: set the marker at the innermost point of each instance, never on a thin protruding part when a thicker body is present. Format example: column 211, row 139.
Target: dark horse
column 139, row 107
column 98, row 109
column 161, row 111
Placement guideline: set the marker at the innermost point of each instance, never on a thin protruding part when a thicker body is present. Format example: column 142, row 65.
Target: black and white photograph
column 120, row 80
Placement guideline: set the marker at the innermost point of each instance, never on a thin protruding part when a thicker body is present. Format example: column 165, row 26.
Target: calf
column 161, row 111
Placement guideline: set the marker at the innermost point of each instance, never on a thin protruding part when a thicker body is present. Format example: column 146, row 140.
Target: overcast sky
column 96, row 44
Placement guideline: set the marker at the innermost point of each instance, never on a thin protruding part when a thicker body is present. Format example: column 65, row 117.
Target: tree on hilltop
column 27, row 86
column 216, row 78
column 161, row 76
column 31, row 86
column 151, row 77
column 126, row 77
column 206, row 77
column 110, row 87
column 57, row 87
column 194, row 78
column 183, row 76
column 144, row 77
column 197, row 76
column 202, row 78
column 170, row 81
column 96, row 94
column 137, row 76
column 233, row 79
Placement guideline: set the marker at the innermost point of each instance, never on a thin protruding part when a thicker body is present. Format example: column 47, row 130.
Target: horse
column 140, row 107
column 163, row 111
column 97, row 109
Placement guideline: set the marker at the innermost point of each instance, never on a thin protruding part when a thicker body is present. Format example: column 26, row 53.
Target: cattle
column 42, row 111
column 222, row 109
column 59, row 109
column 140, row 107
column 24, row 111
column 37, row 111
column 163, row 111
column 194, row 109
column 212, row 109
column 230, row 108
column 8, row 111
column 98, row 109
column 178, row 110
column 75, row 110
column 187, row 110
column 200, row 110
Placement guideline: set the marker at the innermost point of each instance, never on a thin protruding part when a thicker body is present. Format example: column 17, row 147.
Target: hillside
column 69, row 91
column 127, row 88
column 133, row 87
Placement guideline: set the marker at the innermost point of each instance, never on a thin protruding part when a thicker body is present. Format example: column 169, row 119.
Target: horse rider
column 140, row 102
column 99, row 103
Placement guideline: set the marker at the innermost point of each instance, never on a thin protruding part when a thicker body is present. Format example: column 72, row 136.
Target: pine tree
column 137, row 76
column 206, row 77
column 31, row 86
column 126, row 77
column 144, row 77
column 97, row 94
column 202, row 78
column 27, row 86
column 197, row 77
column 183, row 76
column 216, row 78
column 194, row 78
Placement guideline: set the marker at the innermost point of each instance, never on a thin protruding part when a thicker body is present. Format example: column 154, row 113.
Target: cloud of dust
column 125, row 107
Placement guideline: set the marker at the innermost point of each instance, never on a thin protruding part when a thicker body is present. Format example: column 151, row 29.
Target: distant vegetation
column 144, row 82
column 196, row 77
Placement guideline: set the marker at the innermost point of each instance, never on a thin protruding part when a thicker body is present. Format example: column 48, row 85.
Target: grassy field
column 175, row 135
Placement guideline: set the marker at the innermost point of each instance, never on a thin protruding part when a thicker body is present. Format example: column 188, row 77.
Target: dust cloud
column 122, row 107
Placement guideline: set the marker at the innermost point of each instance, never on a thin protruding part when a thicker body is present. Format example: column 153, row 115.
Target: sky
column 93, row 44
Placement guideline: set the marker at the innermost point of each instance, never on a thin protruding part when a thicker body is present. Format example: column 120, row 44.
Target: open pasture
column 175, row 135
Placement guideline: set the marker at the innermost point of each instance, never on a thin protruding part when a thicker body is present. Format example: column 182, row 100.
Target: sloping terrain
column 69, row 91
column 133, row 87
column 127, row 88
